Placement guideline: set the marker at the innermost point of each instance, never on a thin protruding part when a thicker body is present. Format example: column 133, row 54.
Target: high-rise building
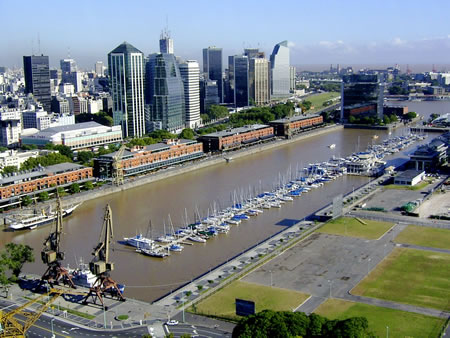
column 280, row 73
column 240, row 66
column 68, row 66
column 208, row 94
column 362, row 95
column 126, row 71
column 254, row 53
column 99, row 69
column 259, row 81
column 70, row 74
column 37, row 79
column 165, row 43
column 212, row 67
column 190, row 73
column 292, row 77
column 164, row 94
column 230, row 81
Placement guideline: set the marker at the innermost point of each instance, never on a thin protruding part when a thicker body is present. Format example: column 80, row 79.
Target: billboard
column 245, row 307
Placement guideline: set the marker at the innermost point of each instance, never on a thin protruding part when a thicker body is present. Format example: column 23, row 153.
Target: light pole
column 51, row 322
column 183, row 308
column 104, row 316
column 387, row 331
column 384, row 253
column 368, row 266
column 271, row 278
column 330, row 282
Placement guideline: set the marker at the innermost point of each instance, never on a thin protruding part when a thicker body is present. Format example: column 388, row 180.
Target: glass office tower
column 37, row 79
column 280, row 70
column 212, row 67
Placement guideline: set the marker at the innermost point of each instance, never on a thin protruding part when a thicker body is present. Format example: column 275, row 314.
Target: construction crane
column 101, row 266
column 12, row 327
column 52, row 255
column 117, row 169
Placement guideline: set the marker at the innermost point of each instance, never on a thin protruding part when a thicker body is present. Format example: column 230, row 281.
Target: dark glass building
column 362, row 95
column 164, row 94
column 212, row 67
column 37, row 79
column 240, row 80
column 208, row 94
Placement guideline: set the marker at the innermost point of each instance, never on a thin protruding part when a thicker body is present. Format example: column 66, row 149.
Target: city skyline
column 330, row 32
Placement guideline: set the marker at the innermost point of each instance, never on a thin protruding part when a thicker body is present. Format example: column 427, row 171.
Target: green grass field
column 400, row 323
column 318, row 100
column 424, row 236
column 410, row 276
column 347, row 226
column 418, row 186
column 222, row 303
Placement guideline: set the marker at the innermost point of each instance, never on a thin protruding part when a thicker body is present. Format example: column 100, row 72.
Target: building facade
column 213, row 68
column 208, row 94
column 290, row 126
column 42, row 179
column 190, row 74
column 240, row 67
column 37, row 79
column 361, row 95
column 236, row 138
column 280, row 70
column 164, row 94
column 292, row 78
column 148, row 158
column 77, row 136
column 259, row 81
column 126, row 71
column 11, row 127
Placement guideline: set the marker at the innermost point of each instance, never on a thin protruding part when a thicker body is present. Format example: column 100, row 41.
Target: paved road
column 196, row 331
column 419, row 247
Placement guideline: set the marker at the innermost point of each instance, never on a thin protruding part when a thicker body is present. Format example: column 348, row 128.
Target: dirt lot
column 438, row 204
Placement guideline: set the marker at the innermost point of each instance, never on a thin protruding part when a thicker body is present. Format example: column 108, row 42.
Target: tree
column 74, row 188
column 89, row 185
column 61, row 192
column 64, row 150
column 411, row 115
column 28, row 147
column 215, row 112
column 50, row 159
column 26, row 201
column 9, row 169
column 43, row 196
column 187, row 133
column 351, row 119
column 15, row 256
column 2, row 149
column 386, row 119
column 85, row 156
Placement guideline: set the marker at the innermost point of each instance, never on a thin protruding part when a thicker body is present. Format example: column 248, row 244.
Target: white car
column 172, row 322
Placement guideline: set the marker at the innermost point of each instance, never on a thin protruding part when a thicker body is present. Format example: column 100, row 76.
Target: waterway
column 149, row 278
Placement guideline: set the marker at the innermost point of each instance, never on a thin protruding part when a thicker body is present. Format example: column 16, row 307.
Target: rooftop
column 409, row 174
column 71, row 127
column 125, row 48
column 295, row 118
column 236, row 131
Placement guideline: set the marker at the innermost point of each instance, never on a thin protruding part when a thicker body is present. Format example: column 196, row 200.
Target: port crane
column 52, row 255
column 12, row 327
column 117, row 169
column 101, row 266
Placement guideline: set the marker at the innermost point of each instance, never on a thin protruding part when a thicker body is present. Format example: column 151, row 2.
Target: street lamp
column 53, row 333
column 368, row 265
column 330, row 282
column 387, row 331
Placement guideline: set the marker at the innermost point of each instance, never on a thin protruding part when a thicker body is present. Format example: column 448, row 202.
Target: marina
column 290, row 186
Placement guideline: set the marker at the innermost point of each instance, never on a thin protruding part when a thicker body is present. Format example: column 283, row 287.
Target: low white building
column 11, row 126
column 409, row 177
column 77, row 136
column 16, row 158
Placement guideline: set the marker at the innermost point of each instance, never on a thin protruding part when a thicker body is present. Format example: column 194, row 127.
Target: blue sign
column 245, row 307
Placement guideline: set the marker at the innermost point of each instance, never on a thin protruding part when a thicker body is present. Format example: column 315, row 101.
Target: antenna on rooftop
column 39, row 43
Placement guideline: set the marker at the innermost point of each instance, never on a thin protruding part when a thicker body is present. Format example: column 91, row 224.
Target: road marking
column 45, row 329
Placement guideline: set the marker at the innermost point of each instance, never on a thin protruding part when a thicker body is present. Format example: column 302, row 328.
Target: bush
column 43, row 196
column 122, row 317
column 199, row 287
column 75, row 188
column 26, row 201
column 89, row 185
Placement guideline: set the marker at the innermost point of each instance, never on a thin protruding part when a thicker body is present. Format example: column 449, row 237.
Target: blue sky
column 320, row 32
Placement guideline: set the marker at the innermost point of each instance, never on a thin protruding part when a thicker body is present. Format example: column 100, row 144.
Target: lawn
column 348, row 226
column 410, row 276
column 222, row 303
column 318, row 100
column 400, row 323
column 418, row 186
column 424, row 236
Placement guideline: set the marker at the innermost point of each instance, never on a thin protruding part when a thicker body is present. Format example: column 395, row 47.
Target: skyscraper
column 362, row 95
column 240, row 66
column 37, row 79
column 212, row 67
column 126, row 71
column 190, row 73
column 69, row 73
column 99, row 69
column 280, row 73
column 164, row 94
column 165, row 43
column 259, row 81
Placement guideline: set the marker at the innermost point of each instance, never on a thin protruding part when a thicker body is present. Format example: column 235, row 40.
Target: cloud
column 398, row 42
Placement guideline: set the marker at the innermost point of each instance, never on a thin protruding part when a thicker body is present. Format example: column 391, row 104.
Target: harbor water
column 217, row 186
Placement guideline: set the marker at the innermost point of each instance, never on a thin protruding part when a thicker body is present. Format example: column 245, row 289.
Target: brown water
column 149, row 278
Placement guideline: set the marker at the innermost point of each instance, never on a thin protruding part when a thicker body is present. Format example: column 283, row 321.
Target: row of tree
column 285, row 324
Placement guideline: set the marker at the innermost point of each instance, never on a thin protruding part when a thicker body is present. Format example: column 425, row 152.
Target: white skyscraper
column 99, row 69
column 280, row 70
column 126, row 70
column 190, row 73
